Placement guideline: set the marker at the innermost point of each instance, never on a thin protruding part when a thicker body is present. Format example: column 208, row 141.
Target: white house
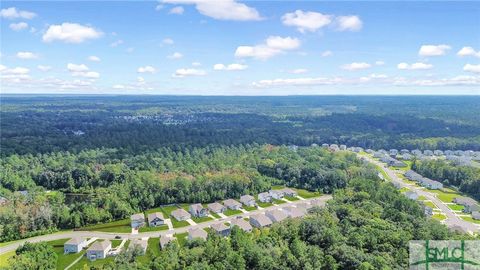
column 197, row 210
column 155, row 219
column 265, row 197
column 74, row 245
column 99, row 250
column 137, row 220
column 248, row 200
column 232, row 204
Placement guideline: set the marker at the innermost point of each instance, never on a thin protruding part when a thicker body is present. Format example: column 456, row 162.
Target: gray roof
column 215, row 207
column 276, row 215
column 263, row 194
column 197, row 233
column 287, row 190
column 317, row 202
column 164, row 240
column 231, row 203
column 295, row 212
column 219, row 227
column 139, row 216
column 75, row 241
column 243, row 224
column 155, row 215
column 139, row 242
column 261, row 219
column 476, row 215
column 100, row 246
column 196, row 207
column 246, row 198
column 465, row 201
column 180, row 213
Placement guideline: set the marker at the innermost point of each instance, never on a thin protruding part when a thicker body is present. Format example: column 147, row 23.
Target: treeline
column 102, row 185
column 465, row 178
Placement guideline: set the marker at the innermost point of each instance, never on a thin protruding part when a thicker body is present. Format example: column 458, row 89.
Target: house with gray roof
column 470, row 205
column 428, row 153
column 295, row 212
column 430, row 184
column 248, row 200
column 165, row 240
column 221, row 229
column 242, row 224
column 180, row 214
column 197, row 233
column 404, row 151
column 99, row 250
column 476, row 215
column 137, row 220
column 276, row 215
column 288, row 192
column 265, row 197
column 276, row 194
column 155, row 219
column 438, row 153
column 260, row 221
column 197, row 210
column 216, row 207
column 232, row 204
column 411, row 195
column 317, row 203
column 140, row 244
column 417, row 152
column 74, row 245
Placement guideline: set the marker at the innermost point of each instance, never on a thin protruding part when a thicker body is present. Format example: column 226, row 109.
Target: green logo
column 451, row 254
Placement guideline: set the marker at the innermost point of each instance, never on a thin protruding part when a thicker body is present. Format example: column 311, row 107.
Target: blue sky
column 240, row 48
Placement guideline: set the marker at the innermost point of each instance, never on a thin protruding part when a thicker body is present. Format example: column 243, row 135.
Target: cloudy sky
column 230, row 47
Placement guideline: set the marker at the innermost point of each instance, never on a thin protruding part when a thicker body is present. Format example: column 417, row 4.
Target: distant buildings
column 276, row 194
column 295, row 212
column 260, row 221
column 276, row 215
column 232, row 204
column 216, row 207
column 476, row 215
column 264, row 197
column 99, row 250
column 74, row 245
column 426, row 182
column 470, row 205
column 242, row 224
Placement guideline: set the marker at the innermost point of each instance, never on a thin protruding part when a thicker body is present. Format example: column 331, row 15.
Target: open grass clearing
column 470, row 219
column 153, row 229
column 181, row 238
column 292, row 199
column 439, row 217
column 179, row 224
column 201, row 219
column 264, row 204
column 275, row 201
column 249, row 208
column 456, row 207
column 230, row 212
column 5, row 257
column 446, row 194
column 121, row 226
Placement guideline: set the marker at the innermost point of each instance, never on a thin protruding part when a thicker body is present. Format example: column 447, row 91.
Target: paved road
column 105, row 235
column 452, row 219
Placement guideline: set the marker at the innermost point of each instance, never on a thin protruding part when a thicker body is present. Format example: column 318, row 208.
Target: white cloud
column 468, row 51
column 94, row 58
column 356, row 66
column 82, row 71
column 167, row 41
column 12, row 13
column 2, row 68
column 472, row 68
column 433, row 50
column 18, row 26
column 146, row 69
column 116, row 43
column 159, row 7
column 184, row 72
column 379, row 63
column 222, row 10
column 327, row 53
column 349, row 23
column 176, row 10
column 44, row 68
column 26, row 55
column 299, row 71
column 306, row 20
column 130, row 50
column 196, row 64
column 274, row 45
column 231, row 67
column 140, row 79
column 14, row 71
column 118, row 86
column 70, row 33
column 175, row 55
column 414, row 66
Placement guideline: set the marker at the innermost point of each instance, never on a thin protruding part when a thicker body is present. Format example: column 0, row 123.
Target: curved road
column 105, row 235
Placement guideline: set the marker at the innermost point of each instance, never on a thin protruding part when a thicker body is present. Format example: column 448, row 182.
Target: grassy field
column 264, row 204
column 439, row 217
column 153, row 229
column 179, row 224
column 307, row 194
column 250, row 208
column 168, row 209
column 115, row 243
column 80, row 265
column 429, row 204
column 275, row 201
column 181, row 238
column 121, row 226
column 153, row 250
column 470, row 219
column 404, row 189
column 64, row 260
column 277, row 187
column 292, row 199
column 214, row 215
column 422, row 198
column 456, row 207
column 445, row 194
column 5, row 257
column 230, row 212
column 201, row 219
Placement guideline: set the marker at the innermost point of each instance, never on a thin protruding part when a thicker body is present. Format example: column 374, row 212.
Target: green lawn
column 5, row 257
column 181, row 238
column 430, row 204
column 153, row 229
column 456, row 207
column 168, row 209
column 264, row 204
column 98, row 263
column 277, row 187
column 439, row 217
column 380, row 170
column 470, row 219
column 153, row 210
column 121, row 226
column 446, row 194
column 250, row 208
column 292, row 199
column 404, row 189
column 230, row 212
column 275, row 201
column 64, row 260
column 215, row 215
column 115, row 243
column 179, row 224
column 422, row 198
column 201, row 219
column 307, row 194
column 153, row 250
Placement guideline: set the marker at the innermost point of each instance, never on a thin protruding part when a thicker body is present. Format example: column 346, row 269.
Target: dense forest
column 134, row 124
column 465, row 178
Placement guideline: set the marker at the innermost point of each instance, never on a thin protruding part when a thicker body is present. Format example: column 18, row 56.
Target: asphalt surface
column 106, row 235
column 452, row 219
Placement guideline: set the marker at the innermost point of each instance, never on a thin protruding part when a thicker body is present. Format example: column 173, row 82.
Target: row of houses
column 198, row 210
column 470, row 205
column 100, row 249
column 424, row 181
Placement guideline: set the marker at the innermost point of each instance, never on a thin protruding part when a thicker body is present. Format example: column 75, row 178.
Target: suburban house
column 165, row 240
column 265, row 197
column 232, row 204
column 430, row 184
column 140, row 244
column 317, row 203
column 216, row 207
column 248, row 200
column 74, row 245
column 407, row 156
column 99, row 250
column 404, row 151
column 469, row 204
column 428, row 153
column 411, row 195
column 276, row 194
column 155, row 219
column 197, row 233
column 413, row 176
column 197, row 210
column 295, row 212
column 416, row 152
column 289, row 192
column 378, row 155
column 334, row 147
column 276, row 215
column 343, row 147
column 137, row 220
column 438, row 153
column 448, row 152
column 428, row 211
column 260, row 221
column 242, row 224
column 393, row 152
column 476, row 215
column 180, row 214
column 221, row 229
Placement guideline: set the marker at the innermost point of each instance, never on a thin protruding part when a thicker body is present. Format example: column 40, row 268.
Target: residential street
column 105, row 235
column 451, row 220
